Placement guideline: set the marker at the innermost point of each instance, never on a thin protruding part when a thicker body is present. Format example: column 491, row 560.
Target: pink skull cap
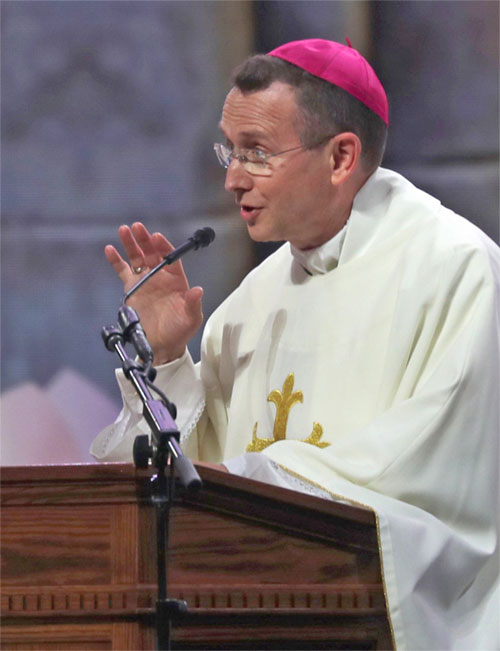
column 341, row 65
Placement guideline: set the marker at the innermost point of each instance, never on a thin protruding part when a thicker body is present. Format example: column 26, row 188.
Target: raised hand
column 170, row 311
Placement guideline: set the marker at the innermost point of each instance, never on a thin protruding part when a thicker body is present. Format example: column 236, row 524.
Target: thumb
column 193, row 298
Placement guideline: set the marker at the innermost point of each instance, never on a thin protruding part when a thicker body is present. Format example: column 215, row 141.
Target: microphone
column 200, row 239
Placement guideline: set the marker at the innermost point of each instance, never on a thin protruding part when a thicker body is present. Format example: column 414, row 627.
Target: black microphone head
column 203, row 236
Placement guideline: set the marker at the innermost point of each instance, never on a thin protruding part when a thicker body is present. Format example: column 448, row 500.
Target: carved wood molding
column 75, row 600
column 129, row 600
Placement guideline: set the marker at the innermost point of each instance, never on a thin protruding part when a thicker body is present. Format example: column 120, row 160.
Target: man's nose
column 237, row 178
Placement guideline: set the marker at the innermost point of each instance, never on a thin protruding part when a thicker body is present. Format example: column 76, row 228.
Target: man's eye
column 258, row 155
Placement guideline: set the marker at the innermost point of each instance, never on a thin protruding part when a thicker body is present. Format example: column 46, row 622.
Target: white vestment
column 371, row 365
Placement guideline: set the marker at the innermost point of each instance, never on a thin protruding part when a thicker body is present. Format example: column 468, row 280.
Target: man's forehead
column 255, row 112
column 276, row 90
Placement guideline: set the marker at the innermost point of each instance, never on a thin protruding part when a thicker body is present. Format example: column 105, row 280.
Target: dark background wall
column 109, row 112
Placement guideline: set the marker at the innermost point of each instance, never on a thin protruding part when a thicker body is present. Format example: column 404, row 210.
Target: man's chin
column 255, row 232
column 259, row 234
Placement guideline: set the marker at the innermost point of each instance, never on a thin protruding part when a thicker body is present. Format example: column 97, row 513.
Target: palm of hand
column 170, row 311
column 164, row 305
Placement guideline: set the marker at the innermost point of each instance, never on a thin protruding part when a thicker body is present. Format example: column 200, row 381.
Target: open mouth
column 249, row 212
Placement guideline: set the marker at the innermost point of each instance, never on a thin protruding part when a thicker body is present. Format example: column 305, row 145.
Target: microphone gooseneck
column 200, row 239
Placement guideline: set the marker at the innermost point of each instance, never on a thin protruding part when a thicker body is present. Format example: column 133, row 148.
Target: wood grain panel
column 56, row 545
column 236, row 549
column 124, row 544
column 308, row 633
column 69, row 635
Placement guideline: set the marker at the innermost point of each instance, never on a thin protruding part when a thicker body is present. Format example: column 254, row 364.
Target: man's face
column 295, row 202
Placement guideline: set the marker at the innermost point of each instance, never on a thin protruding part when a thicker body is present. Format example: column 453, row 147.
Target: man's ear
column 345, row 156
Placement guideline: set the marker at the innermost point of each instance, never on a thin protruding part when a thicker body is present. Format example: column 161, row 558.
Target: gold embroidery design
column 284, row 401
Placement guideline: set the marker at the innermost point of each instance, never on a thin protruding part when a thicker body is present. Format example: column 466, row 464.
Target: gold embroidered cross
column 284, row 401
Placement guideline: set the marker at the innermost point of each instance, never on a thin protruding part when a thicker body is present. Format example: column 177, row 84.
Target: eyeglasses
column 255, row 161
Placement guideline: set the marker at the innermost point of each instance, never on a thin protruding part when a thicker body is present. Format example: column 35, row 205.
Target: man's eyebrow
column 254, row 136
column 249, row 135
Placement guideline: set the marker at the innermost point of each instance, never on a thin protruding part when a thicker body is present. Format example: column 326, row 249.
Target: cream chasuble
column 370, row 369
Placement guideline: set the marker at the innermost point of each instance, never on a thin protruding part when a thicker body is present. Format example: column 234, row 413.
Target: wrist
column 165, row 357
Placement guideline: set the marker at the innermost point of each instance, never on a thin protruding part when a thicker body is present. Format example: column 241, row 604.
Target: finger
column 117, row 262
column 134, row 252
column 193, row 304
column 162, row 245
column 144, row 241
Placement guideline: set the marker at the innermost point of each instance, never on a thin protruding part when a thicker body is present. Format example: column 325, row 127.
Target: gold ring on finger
column 139, row 270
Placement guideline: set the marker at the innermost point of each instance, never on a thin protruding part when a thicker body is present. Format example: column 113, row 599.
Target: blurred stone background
column 109, row 112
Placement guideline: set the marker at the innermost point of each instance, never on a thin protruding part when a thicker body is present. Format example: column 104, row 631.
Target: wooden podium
column 260, row 567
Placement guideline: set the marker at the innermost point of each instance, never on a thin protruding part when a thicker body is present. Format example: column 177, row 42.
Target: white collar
column 323, row 258
column 386, row 205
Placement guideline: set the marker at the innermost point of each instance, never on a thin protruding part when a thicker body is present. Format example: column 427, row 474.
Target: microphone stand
column 164, row 452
